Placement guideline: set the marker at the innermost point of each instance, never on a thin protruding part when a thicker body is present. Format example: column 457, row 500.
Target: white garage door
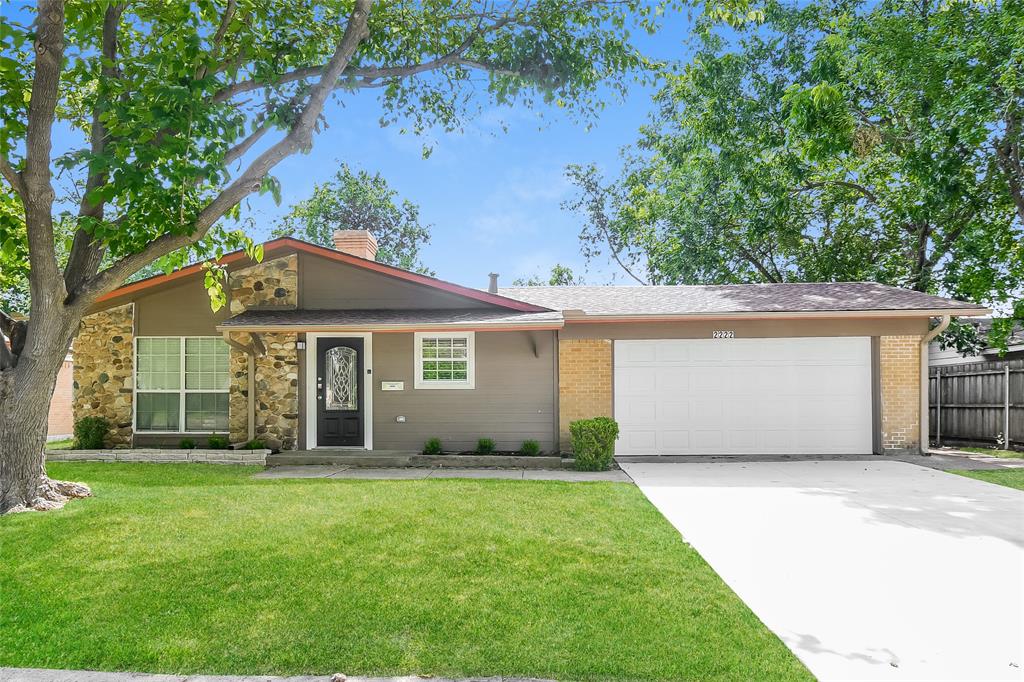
column 743, row 396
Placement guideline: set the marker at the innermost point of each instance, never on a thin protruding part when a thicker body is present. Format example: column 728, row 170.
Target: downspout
column 925, row 342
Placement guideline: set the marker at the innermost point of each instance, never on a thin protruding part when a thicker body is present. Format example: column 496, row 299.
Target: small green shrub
column 255, row 444
column 432, row 447
column 484, row 446
column 593, row 442
column 186, row 444
column 529, row 448
column 90, row 432
column 216, row 442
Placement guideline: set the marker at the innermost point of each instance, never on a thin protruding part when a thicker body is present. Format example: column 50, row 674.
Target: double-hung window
column 444, row 360
column 181, row 384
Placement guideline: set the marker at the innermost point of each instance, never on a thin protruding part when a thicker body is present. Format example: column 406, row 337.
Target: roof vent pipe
column 492, row 288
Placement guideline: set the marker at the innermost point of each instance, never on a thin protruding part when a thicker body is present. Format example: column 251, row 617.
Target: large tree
column 837, row 140
column 358, row 200
column 179, row 110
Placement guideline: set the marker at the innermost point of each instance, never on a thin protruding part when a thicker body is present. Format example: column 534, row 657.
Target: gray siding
column 178, row 309
column 514, row 398
column 327, row 285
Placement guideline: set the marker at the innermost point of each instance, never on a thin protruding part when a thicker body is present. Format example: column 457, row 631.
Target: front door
column 339, row 392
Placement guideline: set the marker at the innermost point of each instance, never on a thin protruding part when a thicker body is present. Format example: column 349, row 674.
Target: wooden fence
column 981, row 402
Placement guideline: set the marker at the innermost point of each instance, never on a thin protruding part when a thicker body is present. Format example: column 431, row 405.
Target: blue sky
column 492, row 197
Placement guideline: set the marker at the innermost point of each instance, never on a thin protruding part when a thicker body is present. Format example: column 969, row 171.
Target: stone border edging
column 160, row 455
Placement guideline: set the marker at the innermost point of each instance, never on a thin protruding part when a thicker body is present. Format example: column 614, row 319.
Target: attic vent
column 359, row 243
column 492, row 288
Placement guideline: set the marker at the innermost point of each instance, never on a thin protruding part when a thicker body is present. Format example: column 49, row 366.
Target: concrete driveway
column 866, row 570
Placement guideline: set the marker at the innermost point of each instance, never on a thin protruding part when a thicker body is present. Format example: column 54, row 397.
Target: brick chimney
column 359, row 243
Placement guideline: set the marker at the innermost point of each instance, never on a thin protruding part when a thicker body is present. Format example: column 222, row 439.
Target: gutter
column 924, row 416
column 579, row 317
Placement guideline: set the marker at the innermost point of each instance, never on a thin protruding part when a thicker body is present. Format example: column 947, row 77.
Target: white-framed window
column 181, row 384
column 444, row 360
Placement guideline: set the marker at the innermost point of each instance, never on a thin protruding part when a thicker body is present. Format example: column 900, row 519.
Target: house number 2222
column 723, row 334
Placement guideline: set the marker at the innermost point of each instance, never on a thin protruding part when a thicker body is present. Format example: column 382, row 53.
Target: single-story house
column 327, row 348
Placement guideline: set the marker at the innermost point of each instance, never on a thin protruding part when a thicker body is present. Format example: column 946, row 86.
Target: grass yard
column 186, row 568
column 63, row 444
column 1011, row 478
column 995, row 452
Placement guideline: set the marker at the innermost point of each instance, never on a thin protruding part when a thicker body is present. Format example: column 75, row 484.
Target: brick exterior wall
column 103, row 367
column 584, row 383
column 272, row 284
column 61, row 419
column 900, row 387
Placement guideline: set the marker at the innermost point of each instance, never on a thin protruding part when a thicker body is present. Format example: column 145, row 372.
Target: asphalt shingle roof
column 736, row 298
column 343, row 318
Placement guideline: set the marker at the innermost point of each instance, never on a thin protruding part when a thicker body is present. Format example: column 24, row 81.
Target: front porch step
column 391, row 459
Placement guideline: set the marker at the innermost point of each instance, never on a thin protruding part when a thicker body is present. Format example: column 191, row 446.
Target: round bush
column 593, row 442
column 90, row 433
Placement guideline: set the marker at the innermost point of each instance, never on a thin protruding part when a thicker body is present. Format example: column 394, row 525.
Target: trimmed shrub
column 186, row 444
column 432, row 447
column 216, row 442
column 90, row 433
column 255, row 444
column 529, row 448
column 484, row 446
column 593, row 442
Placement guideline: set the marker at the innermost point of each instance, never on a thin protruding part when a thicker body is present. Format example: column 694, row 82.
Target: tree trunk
column 25, row 393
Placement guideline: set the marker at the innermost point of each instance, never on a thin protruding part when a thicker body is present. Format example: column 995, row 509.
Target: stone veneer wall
column 102, row 371
column 272, row 284
column 899, row 365
column 584, row 383
column 277, row 391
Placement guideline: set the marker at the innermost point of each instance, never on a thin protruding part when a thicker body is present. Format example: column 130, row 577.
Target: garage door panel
column 744, row 396
column 673, row 412
column 675, row 440
column 707, row 440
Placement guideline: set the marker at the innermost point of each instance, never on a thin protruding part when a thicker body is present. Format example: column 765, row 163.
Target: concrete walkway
column 977, row 457
column 418, row 474
column 39, row 675
column 940, row 460
column 867, row 570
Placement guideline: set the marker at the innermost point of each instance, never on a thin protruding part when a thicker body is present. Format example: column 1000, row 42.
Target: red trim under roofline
column 331, row 254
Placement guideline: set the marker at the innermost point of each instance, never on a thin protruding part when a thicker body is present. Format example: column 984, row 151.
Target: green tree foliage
column 180, row 110
column 560, row 276
column 361, row 201
column 835, row 141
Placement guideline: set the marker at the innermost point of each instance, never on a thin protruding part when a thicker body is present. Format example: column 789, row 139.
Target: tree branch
column 369, row 74
column 15, row 332
column 13, row 177
column 756, row 262
column 218, row 37
column 239, row 150
column 87, row 254
column 44, row 275
column 299, row 137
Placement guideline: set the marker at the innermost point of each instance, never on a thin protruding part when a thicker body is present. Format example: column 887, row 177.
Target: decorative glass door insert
column 342, row 379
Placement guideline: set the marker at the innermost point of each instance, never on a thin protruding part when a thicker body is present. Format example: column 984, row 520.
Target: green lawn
column 1011, row 478
column 64, row 444
column 197, row 568
column 995, row 452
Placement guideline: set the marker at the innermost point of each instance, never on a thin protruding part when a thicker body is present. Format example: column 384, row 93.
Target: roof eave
column 573, row 317
column 383, row 328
